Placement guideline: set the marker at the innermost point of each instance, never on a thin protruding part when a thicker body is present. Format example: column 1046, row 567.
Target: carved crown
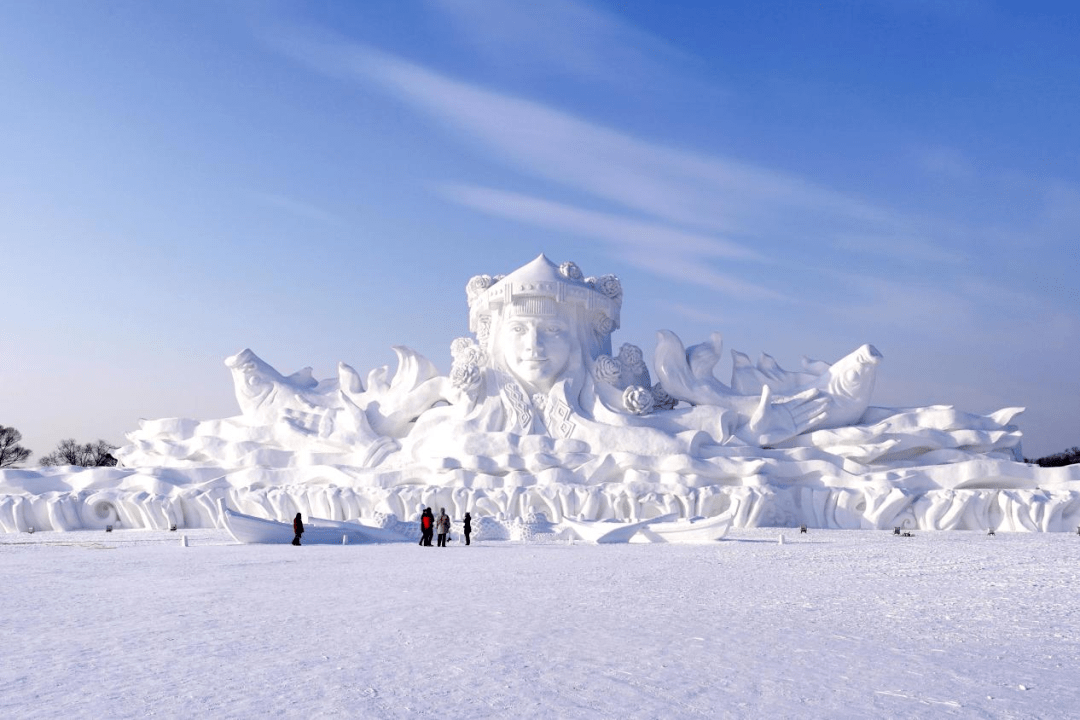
column 541, row 278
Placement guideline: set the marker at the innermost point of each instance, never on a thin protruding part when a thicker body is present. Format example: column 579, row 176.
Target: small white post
column 183, row 541
column 781, row 540
column 344, row 539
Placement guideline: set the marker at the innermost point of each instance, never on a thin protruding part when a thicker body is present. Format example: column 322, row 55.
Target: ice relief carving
column 538, row 413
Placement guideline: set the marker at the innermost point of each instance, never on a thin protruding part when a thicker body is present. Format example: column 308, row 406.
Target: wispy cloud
column 990, row 294
column 697, row 314
column 614, row 228
column 717, row 194
column 679, row 209
column 297, row 207
column 686, row 268
column 1061, row 210
column 961, row 312
column 909, row 248
column 893, row 303
column 943, row 162
column 684, row 257
column 561, row 37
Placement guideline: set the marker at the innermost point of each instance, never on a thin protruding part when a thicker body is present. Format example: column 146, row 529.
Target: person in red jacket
column 427, row 527
column 298, row 528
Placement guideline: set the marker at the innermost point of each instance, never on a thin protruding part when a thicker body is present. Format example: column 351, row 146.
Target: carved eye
column 851, row 375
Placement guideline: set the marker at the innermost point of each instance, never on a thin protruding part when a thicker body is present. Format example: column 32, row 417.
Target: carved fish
column 848, row 383
column 259, row 387
column 299, row 410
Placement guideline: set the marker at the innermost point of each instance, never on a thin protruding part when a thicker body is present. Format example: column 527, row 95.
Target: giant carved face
column 536, row 349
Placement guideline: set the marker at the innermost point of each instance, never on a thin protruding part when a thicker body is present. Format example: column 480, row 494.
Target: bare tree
column 11, row 453
column 69, row 452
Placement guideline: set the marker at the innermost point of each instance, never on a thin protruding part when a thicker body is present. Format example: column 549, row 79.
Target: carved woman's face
column 537, row 350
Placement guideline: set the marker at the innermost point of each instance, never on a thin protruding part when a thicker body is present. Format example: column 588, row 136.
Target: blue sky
column 319, row 181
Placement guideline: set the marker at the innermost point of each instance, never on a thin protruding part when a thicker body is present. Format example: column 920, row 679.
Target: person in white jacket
column 442, row 526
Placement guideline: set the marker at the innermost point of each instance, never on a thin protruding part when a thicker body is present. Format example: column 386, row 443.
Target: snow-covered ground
column 849, row 624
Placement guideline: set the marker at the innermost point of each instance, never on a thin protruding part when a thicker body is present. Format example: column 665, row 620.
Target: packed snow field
column 834, row 623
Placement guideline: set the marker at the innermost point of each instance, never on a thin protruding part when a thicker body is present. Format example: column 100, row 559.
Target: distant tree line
column 68, row 452
column 1065, row 457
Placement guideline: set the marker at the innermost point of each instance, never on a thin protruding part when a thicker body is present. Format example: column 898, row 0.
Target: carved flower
column 464, row 376
column 610, row 286
column 661, row 399
column 637, row 399
column 602, row 324
column 631, row 356
column 465, row 351
column 571, row 270
column 477, row 285
column 591, row 282
column 607, row 369
column 460, row 346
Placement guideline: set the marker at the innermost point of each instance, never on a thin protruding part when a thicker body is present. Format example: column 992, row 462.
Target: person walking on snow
column 427, row 527
column 442, row 524
column 298, row 528
column 468, row 527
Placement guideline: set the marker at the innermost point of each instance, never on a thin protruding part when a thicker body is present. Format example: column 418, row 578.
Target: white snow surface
column 833, row 623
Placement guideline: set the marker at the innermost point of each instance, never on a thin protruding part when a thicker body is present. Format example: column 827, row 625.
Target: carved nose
column 533, row 347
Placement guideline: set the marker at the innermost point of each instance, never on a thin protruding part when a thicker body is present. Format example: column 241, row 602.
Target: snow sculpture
column 539, row 416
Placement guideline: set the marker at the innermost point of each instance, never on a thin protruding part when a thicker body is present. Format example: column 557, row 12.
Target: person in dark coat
column 468, row 527
column 442, row 524
column 298, row 528
column 427, row 527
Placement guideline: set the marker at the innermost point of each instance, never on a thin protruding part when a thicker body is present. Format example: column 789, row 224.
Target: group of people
column 431, row 525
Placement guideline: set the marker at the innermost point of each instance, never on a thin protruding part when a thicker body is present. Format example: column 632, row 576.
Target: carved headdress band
column 539, row 283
